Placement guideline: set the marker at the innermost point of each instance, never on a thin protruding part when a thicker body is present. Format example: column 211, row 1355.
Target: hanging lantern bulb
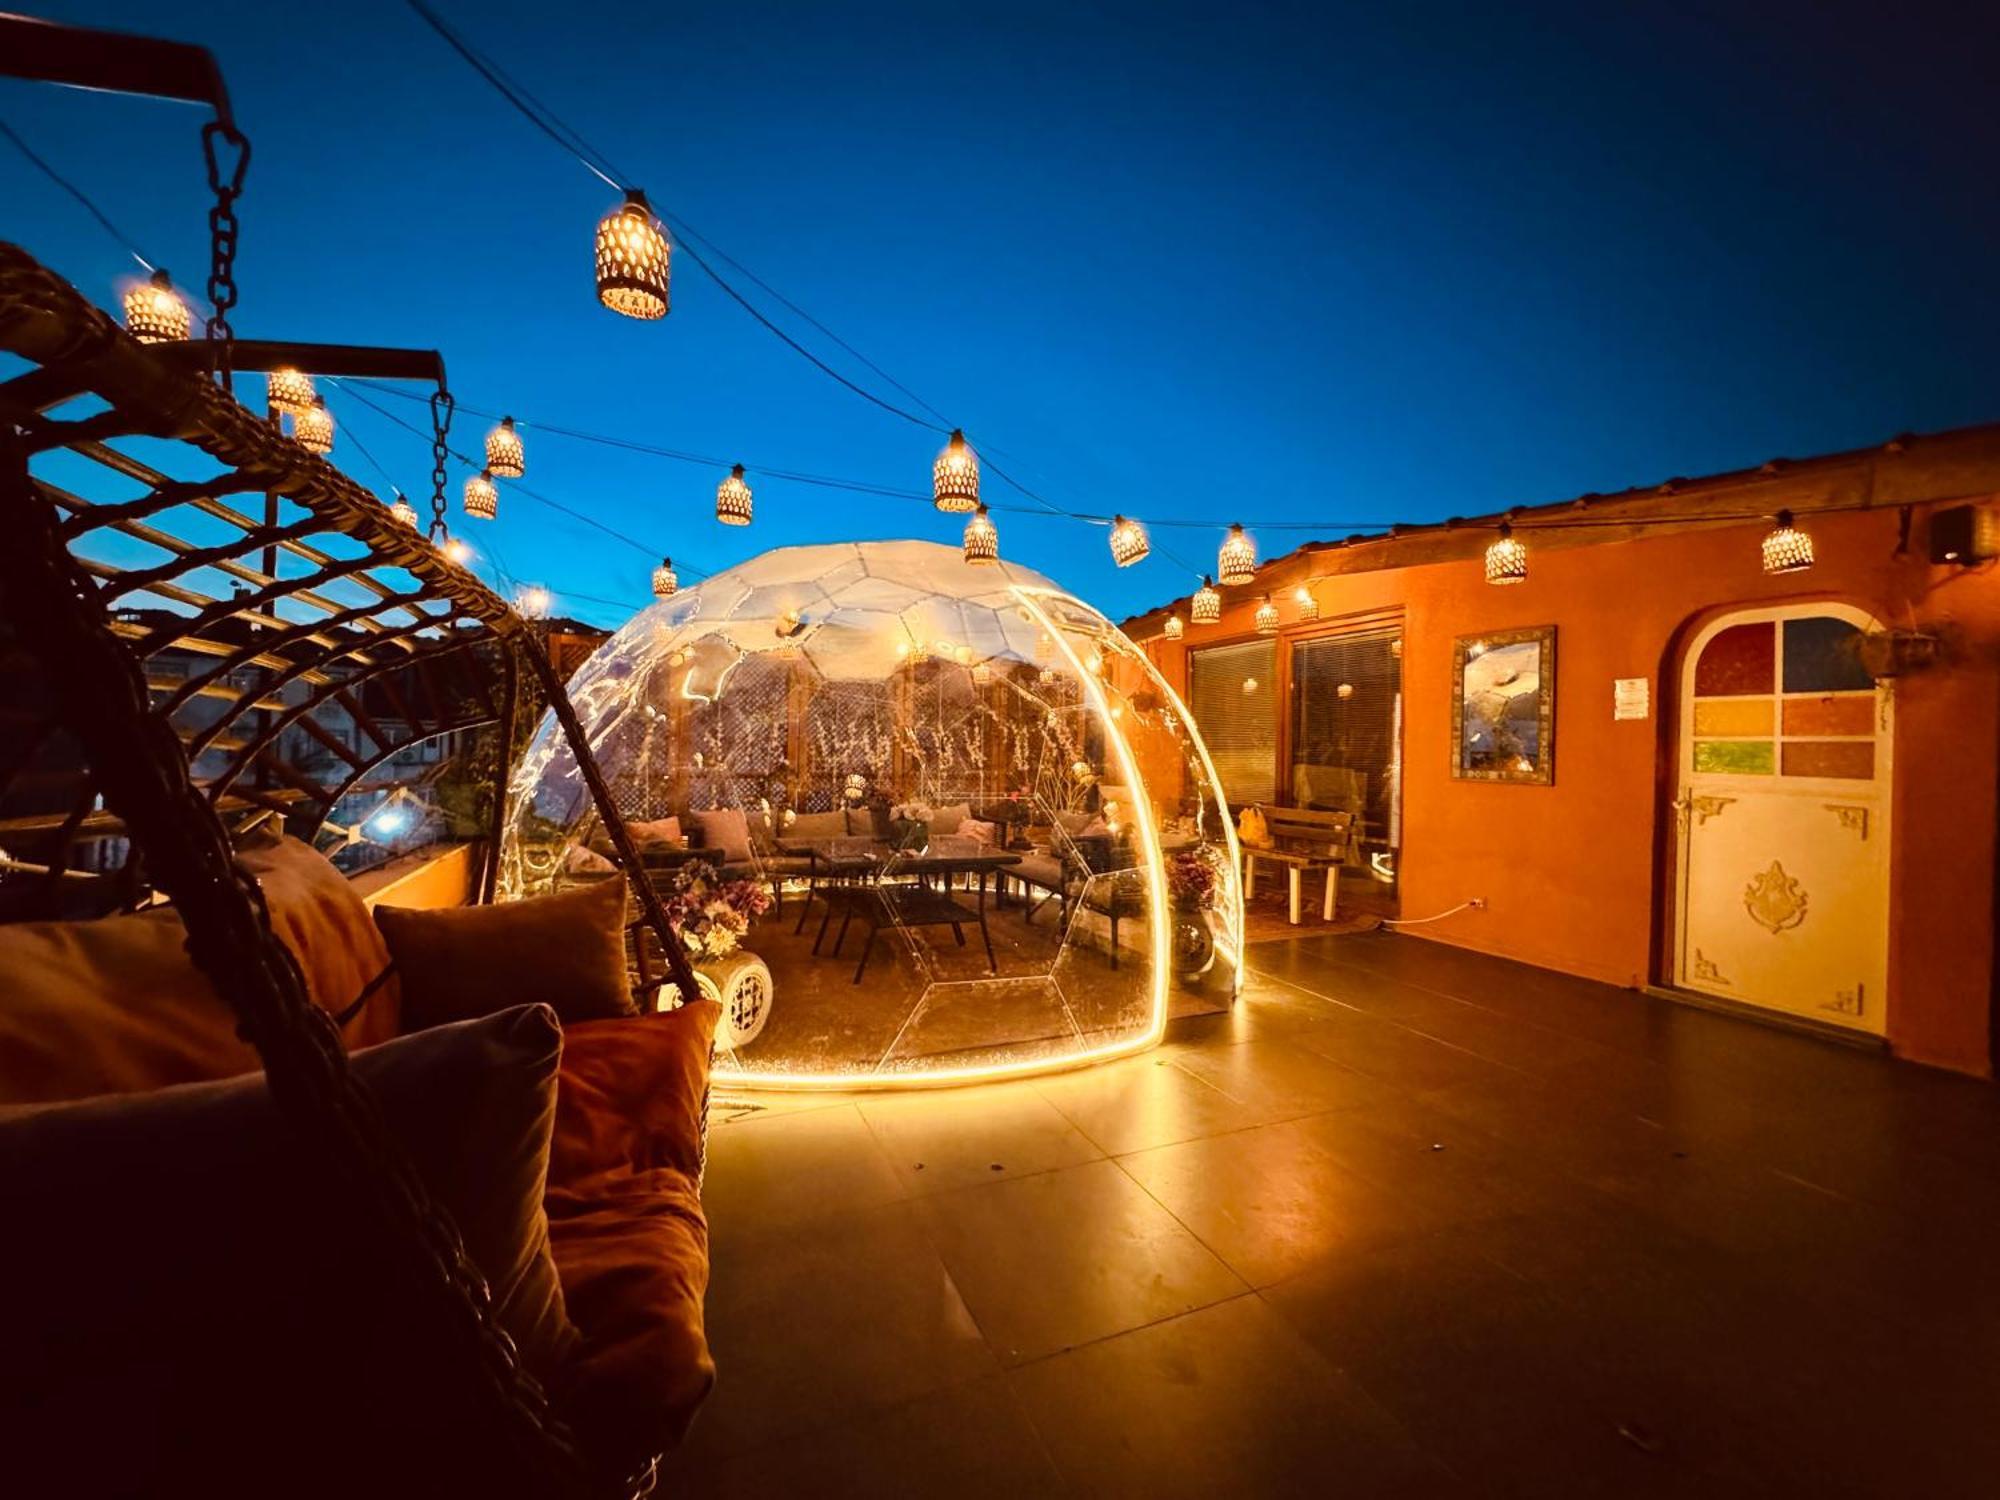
column 1207, row 606
column 403, row 511
column 1786, row 548
column 665, row 582
column 1128, row 542
column 732, row 499
column 1267, row 617
column 955, row 477
column 1236, row 562
column 982, row 542
column 154, row 311
column 533, row 602
column 982, row 675
column 632, row 260
column 505, row 457
column 481, row 498
column 1308, row 605
column 313, row 427
column 457, row 551
column 1506, row 559
column 289, row 390
column 1175, row 629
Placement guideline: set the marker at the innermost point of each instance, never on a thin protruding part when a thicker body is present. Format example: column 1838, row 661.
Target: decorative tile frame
column 1464, row 651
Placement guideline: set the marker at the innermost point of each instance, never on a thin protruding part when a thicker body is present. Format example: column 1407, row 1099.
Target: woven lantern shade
column 1506, row 559
column 1267, row 617
column 313, row 427
column 154, row 311
column 982, row 542
column 481, row 498
column 982, row 674
column 1237, row 561
column 1786, row 548
column 732, row 499
column 505, row 457
column 1206, row 608
column 403, row 511
column 1174, row 628
column 1129, row 543
column 457, row 551
column 289, row 390
column 665, row 581
column 955, row 477
column 632, row 260
column 1308, row 605
column 533, row 602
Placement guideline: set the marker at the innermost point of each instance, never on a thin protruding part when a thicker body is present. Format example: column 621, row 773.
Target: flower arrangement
column 916, row 810
column 1192, row 877
column 708, row 914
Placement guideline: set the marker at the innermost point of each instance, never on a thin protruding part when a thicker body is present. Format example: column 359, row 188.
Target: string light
column 481, row 498
column 1175, row 629
column 1206, row 607
column 313, row 427
column 982, row 675
column 505, row 457
column 1129, row 543
column 982, row 541
column 289, row 390
column 732, row 499
column 665, row 582
column 1506, row 559
column 457, row 551
column 155, row 312
column 403, row 511
column 1786, row 548
column 1237, row 561
column 1267, row 617
column 1308, row 605
column 955, row 477
column 633, row 260
column 533, row 602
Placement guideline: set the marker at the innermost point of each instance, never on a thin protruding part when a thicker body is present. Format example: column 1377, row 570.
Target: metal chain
column 443, row 404
column 223, row 229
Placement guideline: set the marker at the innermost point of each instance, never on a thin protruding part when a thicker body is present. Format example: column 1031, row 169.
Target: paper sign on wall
column 1631, row 697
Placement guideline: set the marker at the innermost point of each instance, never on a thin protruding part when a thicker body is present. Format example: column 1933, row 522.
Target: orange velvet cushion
column 565, row 951
column 198, row 1305
column 626, row 1226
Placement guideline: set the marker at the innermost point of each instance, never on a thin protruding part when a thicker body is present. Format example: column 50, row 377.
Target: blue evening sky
column 1324, row 264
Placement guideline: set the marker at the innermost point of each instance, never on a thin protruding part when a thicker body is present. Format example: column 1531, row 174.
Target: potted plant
column 1193, row 878
column 710, row 916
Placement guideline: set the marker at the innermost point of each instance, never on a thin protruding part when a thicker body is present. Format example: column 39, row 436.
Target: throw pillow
column 725, row 834
column 947, row 819
column 324, row 921
column 565, row 951
column 632, row 1092
column 986, row 835
column 195, row 1270
column 656, row 833
column 821, row 825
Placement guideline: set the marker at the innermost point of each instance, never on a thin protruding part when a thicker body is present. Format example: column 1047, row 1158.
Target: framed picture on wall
column 1503, row 706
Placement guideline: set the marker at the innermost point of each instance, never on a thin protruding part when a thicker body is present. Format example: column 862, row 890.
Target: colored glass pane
column 1718, row 716
column 1849, row 760
column 1822, row 655
column 1734, row 757
column 1844, row 715
column 1741, row 659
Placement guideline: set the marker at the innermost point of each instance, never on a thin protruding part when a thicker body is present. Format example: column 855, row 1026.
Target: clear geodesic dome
column 989, row 836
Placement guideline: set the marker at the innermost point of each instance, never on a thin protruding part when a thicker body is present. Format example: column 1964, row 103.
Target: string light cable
column 125, row 241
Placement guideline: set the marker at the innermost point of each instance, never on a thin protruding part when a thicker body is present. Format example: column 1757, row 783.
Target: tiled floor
column 1407, row 1222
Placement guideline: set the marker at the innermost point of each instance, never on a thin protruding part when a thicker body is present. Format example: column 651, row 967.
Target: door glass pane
column 1823, row 655
column 1845, row 715
column 1741, row 659
column 1734, row 757
column 1733, row 716
column 1347, row 708
column 1852, row 760
column 1233, row 697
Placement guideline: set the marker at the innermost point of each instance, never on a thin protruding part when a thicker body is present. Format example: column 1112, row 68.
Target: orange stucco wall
column 1571, row 873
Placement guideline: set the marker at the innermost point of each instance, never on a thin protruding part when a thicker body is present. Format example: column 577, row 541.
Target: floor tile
column 770, row 1175
column 1222, row 1402
column 943, row 1140
column 1147, row 1101
column 848, row 1314
column 1280, row 1079
column 1059, row 1259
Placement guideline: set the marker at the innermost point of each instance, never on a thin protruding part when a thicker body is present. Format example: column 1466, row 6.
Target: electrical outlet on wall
column 1477, row 903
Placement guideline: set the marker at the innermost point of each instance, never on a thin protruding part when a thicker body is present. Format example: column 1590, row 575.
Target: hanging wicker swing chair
column 102, row 750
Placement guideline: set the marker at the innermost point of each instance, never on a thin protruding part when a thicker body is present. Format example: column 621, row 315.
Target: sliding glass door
column 1347, row 738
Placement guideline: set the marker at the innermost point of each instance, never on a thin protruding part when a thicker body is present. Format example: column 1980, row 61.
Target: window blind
column 1233, row 696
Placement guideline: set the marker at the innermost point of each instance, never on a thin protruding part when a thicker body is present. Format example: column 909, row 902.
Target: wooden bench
column 1301, row 839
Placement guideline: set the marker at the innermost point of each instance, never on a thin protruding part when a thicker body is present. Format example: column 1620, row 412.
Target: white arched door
column 1783, row 816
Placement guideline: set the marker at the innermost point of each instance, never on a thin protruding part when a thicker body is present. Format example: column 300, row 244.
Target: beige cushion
column 725, row 833
column 565, row 951
column 947, row 819
column 1074, row 822
column 820, row 825
column 986, row 834
column 657, row 832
